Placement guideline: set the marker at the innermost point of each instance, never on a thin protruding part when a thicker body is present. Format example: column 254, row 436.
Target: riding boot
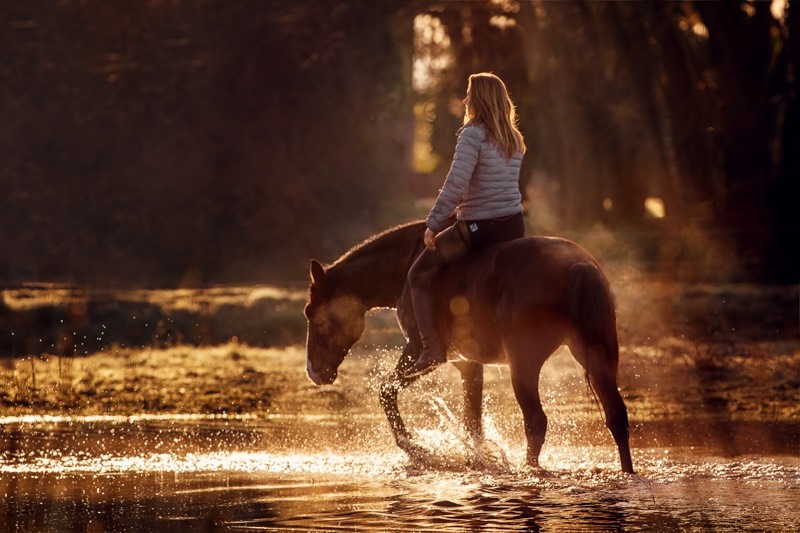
column 433, row 350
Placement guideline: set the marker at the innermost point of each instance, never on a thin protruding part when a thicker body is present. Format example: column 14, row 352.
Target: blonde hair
column 490, row 105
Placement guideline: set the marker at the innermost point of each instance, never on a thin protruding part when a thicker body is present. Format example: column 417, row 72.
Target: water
column 323, row 460
column 240, row 474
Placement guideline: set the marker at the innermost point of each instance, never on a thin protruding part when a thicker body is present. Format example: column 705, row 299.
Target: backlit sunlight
column 654, row 207
column 431, row 51
column 432, row 57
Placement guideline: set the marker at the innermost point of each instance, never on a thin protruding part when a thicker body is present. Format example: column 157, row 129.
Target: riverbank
column 722, row 352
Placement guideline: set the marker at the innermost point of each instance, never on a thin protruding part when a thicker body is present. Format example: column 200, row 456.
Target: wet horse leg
column 472, row 384
column 390, row 388
column 616, row 416
column 388, row 397
column 528, row 349
column 603, row 379
column 526, row 389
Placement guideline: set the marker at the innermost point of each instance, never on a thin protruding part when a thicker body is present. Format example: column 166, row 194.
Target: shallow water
column 323, row 459
column 195, row 474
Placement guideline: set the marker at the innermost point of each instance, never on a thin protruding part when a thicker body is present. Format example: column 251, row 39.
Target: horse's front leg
column 472, row 384
column 388, row 396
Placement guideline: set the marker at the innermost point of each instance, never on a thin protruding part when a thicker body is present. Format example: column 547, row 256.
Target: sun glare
column 431, row 57
column 700, row 30
column 431, row 51
column 778, row 9
column 502, row 22
column 654, row 207
column 692, row 23
column 424, row 159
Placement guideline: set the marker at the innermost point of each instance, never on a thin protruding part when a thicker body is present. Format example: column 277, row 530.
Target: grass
column 239, row 349
column 228, row 378
column 45, row 319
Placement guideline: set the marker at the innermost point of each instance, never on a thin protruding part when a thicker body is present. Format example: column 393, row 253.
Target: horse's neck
column 376, row 270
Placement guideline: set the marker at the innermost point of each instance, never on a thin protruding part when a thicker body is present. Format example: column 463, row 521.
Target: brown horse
column 513, row 303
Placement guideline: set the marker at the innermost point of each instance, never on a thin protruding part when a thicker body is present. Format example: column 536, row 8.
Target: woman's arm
column 455, row 185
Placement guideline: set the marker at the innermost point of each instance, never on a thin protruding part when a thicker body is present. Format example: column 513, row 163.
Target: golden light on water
column 564, row 464
column 45, row 419
column 238, row 461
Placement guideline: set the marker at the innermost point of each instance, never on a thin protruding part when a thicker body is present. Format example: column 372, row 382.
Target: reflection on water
column 324, row 459
column 243, row 473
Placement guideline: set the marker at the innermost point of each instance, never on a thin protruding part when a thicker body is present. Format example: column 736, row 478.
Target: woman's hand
column 429, row 239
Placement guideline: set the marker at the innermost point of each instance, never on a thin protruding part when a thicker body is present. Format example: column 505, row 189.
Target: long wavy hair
column 490, row 105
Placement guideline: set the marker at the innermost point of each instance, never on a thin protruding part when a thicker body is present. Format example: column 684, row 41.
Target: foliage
column 170, row 143
column 691, row 103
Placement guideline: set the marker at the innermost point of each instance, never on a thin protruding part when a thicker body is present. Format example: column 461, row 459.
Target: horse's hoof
column 488, row 455
column 534, row 469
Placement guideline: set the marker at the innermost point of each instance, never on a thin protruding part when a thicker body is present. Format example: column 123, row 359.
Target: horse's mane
column 390, row 240
column 376, row 268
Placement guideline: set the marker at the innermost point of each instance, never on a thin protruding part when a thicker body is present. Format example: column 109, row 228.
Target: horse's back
column 530, row 261
column 531, row 272
column 546, row 252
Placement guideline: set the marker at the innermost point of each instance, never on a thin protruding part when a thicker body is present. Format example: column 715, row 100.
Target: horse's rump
column 592, row 307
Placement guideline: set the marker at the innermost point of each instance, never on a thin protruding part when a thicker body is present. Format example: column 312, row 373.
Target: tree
column 155, row 142
column 626, row 102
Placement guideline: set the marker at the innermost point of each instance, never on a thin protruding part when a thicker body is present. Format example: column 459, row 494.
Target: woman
column 482, row 187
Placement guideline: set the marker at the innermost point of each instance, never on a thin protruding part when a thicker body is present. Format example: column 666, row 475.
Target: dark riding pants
column 460, row 239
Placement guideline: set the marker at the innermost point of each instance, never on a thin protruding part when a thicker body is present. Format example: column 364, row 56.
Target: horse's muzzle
column 325, row 377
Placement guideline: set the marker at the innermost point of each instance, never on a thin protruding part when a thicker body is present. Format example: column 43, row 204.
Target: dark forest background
column 182, row 142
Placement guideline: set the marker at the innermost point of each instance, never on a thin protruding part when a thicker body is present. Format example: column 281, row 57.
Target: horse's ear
column 317, row 272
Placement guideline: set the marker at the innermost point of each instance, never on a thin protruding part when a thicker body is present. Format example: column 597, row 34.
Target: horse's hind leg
column 472, row 383
column 616, row 416
column 526, row 390
column 527, row 352
column 603, row 380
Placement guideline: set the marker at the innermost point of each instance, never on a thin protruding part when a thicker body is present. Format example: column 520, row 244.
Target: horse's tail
column 593, row 316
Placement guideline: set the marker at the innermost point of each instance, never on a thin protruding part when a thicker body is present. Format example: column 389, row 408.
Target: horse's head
column 335, row 323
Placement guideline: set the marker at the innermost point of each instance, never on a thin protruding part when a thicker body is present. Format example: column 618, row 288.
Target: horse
column 515, row 303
